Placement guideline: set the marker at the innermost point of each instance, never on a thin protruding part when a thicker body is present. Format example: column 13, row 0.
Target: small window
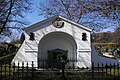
column 84, row 36
column 32, row 35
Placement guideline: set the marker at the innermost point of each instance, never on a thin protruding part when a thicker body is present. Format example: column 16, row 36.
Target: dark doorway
column 53, row 56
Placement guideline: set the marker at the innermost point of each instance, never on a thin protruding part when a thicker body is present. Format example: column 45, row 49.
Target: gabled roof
column 53, row 18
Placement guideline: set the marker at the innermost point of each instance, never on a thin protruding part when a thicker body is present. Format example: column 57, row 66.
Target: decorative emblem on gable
column 58, row 23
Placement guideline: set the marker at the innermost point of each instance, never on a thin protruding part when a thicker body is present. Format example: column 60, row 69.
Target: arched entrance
column 57, row 40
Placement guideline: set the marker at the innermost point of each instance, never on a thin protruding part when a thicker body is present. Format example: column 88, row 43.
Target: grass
column 110, row 71
column 113, row 72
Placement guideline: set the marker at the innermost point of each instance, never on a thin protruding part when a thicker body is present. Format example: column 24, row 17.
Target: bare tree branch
column 79, row 10
column 9, row 13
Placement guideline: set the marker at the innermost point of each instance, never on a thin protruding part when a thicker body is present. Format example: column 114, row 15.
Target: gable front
column 42, row 30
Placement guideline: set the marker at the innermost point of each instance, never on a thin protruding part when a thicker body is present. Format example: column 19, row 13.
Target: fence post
column 110, row 69
column 22, row 70
column 102, row 71
column 106, row 68
column 93, row 70
column 27, row 71
column 114, row 71
column 63, row 72
column 18, row 71
column 5, row 71
column 32, row 70
column 13, row 70
column 9, row 71
column 1, row 72
column 118, row 70
column 98, row 71
column 38, row 63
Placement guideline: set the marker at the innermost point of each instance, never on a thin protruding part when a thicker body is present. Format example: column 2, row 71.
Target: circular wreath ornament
column 58, row 23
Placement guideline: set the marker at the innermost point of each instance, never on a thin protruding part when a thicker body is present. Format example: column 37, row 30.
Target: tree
column 12, row 14
column 111, row 10
column 117, row 35
column 85, row 12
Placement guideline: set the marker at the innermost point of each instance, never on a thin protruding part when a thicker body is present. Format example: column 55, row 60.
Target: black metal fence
column 12, row 72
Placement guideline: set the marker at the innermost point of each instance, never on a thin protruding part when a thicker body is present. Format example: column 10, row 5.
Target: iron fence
column 12, row 72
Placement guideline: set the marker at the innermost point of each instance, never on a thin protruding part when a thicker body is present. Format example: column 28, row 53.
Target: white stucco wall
column 31, row 48
column 72, row 30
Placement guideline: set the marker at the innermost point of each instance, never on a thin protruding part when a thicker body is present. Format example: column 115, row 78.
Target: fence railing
column 44, row 63
column 12, row 72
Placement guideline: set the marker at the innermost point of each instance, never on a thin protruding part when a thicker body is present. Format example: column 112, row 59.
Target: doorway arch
column 57, row 40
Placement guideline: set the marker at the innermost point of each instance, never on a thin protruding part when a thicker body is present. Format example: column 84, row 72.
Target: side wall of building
column 102, row 60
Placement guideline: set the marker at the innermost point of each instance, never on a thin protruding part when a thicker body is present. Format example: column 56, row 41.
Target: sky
column 31, row 17
column 34, row 17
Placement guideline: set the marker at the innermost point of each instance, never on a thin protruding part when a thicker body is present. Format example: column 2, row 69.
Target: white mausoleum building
column 46, row 39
